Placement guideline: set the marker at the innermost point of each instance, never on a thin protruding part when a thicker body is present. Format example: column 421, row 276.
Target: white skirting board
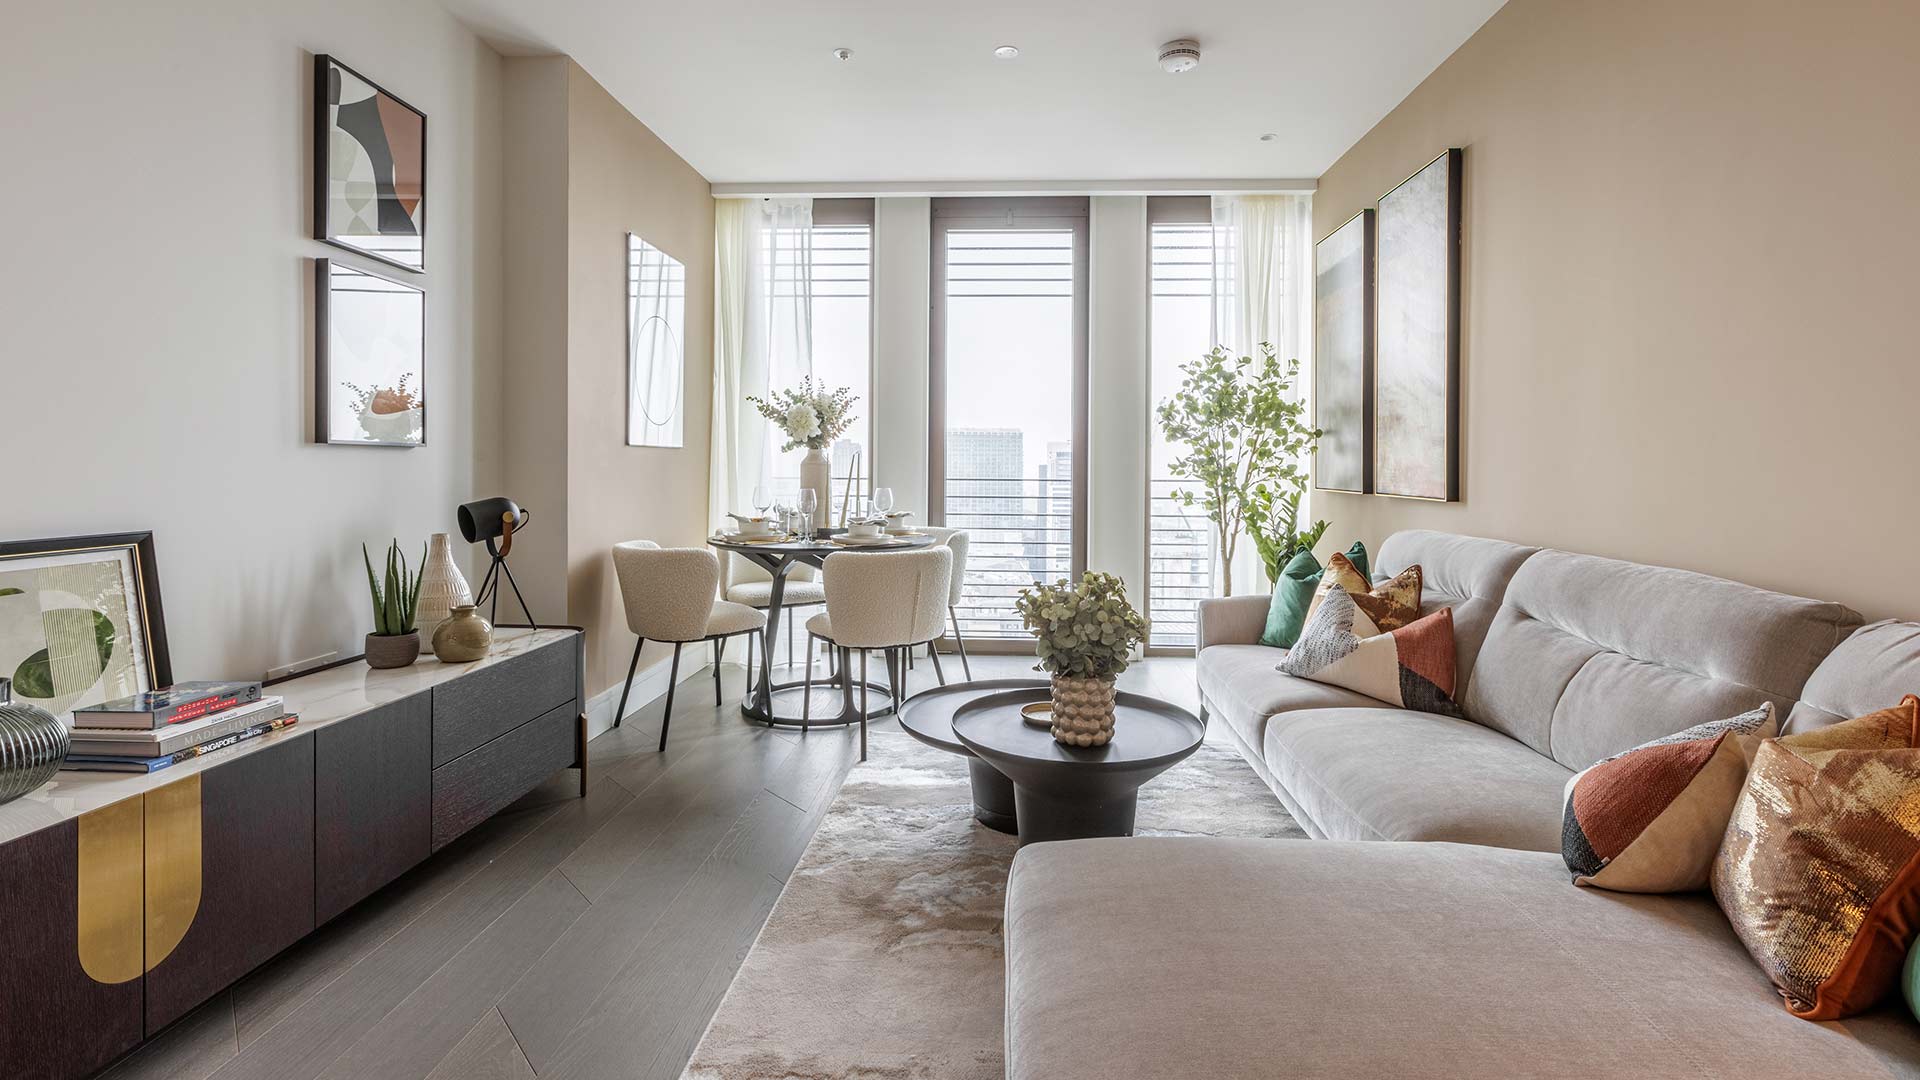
column 651, row 684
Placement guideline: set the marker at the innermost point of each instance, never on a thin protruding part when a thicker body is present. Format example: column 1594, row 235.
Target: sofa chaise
column 1431, row 928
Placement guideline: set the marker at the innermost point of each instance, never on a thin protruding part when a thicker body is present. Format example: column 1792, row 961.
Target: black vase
column 33, row 743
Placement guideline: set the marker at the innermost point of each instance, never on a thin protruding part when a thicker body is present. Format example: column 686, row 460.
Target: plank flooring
column 588, row 939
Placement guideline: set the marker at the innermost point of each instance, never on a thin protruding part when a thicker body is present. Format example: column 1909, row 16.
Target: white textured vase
column 816, row 472
column 442, row 588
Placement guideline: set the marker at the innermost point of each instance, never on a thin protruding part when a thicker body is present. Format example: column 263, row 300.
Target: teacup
column 863, row 530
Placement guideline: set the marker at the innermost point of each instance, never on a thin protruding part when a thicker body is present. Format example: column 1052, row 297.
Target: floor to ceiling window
column 1180, row 539
column 836, row 264
column 1008, row 385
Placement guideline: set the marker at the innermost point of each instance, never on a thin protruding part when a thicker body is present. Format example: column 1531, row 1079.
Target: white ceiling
column 750, row 92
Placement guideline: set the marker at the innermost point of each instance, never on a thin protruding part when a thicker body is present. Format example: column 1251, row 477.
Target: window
column 1009, row 386
column 1180, row 540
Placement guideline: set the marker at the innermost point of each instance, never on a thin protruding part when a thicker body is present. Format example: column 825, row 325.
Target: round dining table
column 778, row 558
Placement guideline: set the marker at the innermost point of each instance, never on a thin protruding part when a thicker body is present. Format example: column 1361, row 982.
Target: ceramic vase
column 1082, row 710
column 392, row 650
column 463, row 637
column 816, row 472
column 33, row 743
column 442, row 588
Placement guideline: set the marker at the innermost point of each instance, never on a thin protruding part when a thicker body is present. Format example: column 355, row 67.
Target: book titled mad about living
column 175, row 705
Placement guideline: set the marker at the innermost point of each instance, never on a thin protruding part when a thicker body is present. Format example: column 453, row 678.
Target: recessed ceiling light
column 843, row 54
column 1269, row 137
column 1006, row 52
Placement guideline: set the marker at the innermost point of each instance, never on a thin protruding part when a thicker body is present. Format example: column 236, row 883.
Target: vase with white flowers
column 812, row 416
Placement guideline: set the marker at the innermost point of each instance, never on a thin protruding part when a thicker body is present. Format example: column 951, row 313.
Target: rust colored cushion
column 1820, row 868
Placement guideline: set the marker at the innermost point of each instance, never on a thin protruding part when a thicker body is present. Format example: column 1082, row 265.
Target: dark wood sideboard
column 125, row 901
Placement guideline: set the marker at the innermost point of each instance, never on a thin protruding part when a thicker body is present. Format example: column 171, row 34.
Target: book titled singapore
column 175, row 705
column 104, row 763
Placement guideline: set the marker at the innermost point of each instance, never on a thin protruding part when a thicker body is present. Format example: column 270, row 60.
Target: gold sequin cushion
column 1390, row 605
column 1819, row 871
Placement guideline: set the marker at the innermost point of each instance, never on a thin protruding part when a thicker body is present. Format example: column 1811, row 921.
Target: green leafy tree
column 1245, row 445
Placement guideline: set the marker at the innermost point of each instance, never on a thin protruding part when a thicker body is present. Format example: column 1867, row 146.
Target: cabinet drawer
column 486, row 704
column 373, row 802
column 473, row 788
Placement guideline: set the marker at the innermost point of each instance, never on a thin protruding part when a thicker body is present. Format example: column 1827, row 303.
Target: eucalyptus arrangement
column 1085, row 635
column 395, row 641
column 1245, row 447
column 809, row 415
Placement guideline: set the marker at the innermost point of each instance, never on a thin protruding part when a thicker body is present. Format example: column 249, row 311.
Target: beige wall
column 621, row 178
column 156, row 331
column 1689, row 314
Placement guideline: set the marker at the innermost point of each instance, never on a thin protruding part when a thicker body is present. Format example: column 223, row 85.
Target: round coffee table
column 1068, row 792
column 928, row 716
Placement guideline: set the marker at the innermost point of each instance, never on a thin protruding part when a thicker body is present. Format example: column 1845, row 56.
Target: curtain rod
column 861, row 190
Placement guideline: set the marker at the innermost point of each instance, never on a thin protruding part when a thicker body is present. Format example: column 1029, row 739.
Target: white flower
column 802, row 422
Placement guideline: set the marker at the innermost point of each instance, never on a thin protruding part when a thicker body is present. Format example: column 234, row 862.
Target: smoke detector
column 1179, row 56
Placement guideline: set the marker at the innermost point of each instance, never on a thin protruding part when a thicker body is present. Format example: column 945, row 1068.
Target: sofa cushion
column 1159, row 958
column 1589, row 656
column 1390, row 774
column 1241, row 687
column 1466, row 573
column 1294, row 593
column 1873, row 669
column 1411, row 667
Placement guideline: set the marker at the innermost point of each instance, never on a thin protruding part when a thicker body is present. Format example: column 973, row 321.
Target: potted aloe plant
column 395, row 641
column 1085, row 633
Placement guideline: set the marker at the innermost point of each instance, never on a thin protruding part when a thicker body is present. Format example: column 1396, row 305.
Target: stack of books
column 148, row 732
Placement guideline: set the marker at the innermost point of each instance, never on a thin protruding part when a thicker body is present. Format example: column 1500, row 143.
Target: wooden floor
column 566, row 937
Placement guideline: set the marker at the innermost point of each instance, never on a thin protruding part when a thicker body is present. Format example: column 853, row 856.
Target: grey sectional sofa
column 1435, row 933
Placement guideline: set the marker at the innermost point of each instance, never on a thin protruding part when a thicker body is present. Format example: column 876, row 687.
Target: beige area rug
column 882, row 959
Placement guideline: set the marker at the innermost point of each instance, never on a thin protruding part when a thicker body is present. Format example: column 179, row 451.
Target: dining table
column 778, row 556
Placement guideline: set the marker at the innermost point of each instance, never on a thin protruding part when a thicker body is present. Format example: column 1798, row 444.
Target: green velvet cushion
column 1294, row 592
column 1910, row 980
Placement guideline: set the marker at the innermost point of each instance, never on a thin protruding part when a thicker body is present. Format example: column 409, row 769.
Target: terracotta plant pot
column 1082, row 710
column 463, row 637
column 393, row 650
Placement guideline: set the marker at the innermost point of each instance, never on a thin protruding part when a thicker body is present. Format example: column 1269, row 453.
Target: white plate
column 866, row 541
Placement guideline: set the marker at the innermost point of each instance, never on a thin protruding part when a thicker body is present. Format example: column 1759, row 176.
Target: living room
column 1211, row 540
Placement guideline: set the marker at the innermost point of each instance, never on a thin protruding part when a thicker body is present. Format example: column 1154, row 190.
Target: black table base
column 995, row 800
column 764, row 705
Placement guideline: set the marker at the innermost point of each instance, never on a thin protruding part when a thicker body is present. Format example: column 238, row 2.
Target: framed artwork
column 1416, row 396
column 656, row 372
column 80, row 620
column 369, row 358
column 369, row 168
column 1343, row 357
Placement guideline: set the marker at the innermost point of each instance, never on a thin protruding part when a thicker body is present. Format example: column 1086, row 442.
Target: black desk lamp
column 491, row 520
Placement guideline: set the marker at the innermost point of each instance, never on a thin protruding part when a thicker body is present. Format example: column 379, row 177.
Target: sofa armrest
column 1232, row 620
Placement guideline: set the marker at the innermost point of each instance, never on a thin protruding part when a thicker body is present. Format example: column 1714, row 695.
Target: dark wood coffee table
column 928, row 716
column 1068, row 792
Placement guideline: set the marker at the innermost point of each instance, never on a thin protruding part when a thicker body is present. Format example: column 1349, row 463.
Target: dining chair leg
column 892, row 660
column 959, row 643
column 863, row 704
column 719, row 653
column 673, row 679
column 900, row 668
column 789, row 637
column 621, row 712
column 933, row 654
column 750, row 648
column 806, row 685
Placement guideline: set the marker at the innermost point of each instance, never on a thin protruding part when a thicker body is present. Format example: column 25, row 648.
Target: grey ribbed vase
column 33, row 743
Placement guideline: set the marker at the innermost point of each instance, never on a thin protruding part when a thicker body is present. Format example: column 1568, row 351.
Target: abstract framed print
column 80, row 620
column 1343, row 357
column 369, row 358
column 1416, row 396
column 369, row 168
column 656, row 319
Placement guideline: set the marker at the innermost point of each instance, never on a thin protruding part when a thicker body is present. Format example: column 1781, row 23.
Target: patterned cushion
column 1650, row 819
column 1411, row 667
column 1391, row 605
column 1294, row 593
column 1820, row 869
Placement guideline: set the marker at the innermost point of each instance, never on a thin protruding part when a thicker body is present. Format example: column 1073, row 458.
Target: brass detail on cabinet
column 109, row 892
column 173, row 865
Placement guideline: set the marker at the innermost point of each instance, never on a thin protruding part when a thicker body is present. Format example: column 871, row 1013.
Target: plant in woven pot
column 1086, row 634
column 395, row 641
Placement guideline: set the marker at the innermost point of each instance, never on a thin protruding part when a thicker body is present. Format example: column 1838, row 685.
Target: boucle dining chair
column 955, row 539
column 669, row 596
column 749, row 583
column 879, row 600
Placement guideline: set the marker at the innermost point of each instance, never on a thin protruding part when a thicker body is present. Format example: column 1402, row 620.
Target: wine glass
column 809, row 502
column 762, row 499
column 882, row 503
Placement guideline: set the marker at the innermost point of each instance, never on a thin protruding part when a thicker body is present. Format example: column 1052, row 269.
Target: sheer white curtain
column 762, row 334
column 1263, row 292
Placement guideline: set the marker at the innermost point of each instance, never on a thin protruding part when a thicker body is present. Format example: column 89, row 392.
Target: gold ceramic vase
column 463, row 637
column 1082, row 710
